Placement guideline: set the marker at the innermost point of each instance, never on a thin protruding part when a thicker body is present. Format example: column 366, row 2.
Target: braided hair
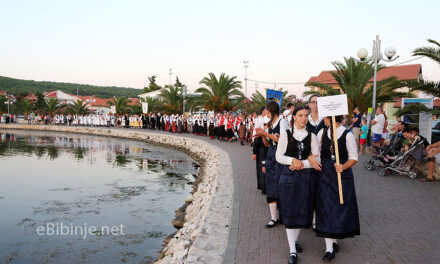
column 296, row 110
column 274, row 110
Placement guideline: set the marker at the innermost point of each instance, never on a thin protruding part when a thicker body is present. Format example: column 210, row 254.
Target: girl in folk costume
column 273, row 168
column 229, row 127
column 173, row 124
column 196, row 125
column 221, row 127
column 298, row 152
column 211, row 124
column 241, row 126
column 179, row 124
column 205, row 125
column 189, row 124
column 167, row 125
column 335, row 220
column 184, row 124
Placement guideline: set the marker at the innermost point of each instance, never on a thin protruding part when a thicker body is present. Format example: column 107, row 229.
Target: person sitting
column 433, row 157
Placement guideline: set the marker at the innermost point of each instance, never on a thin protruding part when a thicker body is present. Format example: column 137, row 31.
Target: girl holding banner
column 298, row 152
column 336, row 219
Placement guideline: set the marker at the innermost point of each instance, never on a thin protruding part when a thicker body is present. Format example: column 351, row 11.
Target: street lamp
column 171, row 72
column 183, row 93
column 245, row 65
column 376, row 57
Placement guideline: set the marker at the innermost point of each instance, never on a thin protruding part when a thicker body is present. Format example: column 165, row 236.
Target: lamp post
column 171, row 72
column 245, row 65
column 183, row 93
column 376, row 57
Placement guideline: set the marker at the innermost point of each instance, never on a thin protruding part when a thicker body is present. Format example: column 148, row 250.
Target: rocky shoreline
column 206, row 214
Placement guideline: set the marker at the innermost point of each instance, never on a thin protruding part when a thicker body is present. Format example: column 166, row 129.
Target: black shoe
column 292, row 258
column 271, row 223
column 328, row 256
column 298, row 247
column 335, row 247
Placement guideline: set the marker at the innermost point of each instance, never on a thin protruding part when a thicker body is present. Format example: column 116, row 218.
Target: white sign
column 113, row 109
column 145, row 108
column 332, row 105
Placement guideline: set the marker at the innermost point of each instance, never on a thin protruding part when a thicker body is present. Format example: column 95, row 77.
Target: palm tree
column 52, row 105
column 429, row 87
column 153, row 103
column 219, row 94
column 172, row 99
column 25, row 106
column 121, row 104
column 353, row 78
column 79, row 108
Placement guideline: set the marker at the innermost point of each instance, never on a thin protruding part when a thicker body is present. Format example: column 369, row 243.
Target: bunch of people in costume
column 297, row 170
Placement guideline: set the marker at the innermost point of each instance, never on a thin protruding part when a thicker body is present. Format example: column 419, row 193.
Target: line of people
column 297, row 170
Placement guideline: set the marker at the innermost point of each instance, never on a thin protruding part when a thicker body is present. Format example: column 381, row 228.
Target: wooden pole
column 335, row 140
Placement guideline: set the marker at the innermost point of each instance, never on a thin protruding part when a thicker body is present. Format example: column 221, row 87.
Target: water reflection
column 58, row 178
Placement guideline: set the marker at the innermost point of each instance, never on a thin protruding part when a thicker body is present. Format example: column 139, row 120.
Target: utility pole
column 245, row 65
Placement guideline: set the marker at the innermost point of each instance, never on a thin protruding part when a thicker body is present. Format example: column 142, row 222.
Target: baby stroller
column 404, row 163
column 393, row 148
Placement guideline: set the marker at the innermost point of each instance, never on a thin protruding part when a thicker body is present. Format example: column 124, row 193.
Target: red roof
column 398, row 103
column 402, row 72
column 3, row 92
column 95, row 101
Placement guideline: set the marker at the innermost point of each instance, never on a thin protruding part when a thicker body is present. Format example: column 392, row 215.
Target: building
column 63, row 98
column 153, row 94
column 401, row 72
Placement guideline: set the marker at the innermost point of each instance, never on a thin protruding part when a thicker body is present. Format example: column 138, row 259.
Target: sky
column 121, row 43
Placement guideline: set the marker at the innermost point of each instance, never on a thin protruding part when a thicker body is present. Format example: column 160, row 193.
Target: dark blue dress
column 273, row 168
column 335, row 220
column 297, row 188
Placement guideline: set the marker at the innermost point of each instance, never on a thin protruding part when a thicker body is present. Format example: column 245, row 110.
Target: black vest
column 298, row 149
column 315, row 129
column 342, row 147
column 275, row 130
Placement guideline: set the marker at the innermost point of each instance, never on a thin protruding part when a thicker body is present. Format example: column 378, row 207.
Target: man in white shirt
column 378, row 124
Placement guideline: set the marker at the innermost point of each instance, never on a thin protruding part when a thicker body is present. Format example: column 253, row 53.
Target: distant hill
column 17, row 87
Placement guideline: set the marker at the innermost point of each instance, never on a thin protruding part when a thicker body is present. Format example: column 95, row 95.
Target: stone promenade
column 400, row 220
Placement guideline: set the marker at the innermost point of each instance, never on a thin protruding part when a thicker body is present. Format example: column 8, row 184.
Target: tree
column 3, row 104
column 171, row 97
column 135, row 109
column 52, row 105
column 79, row 108
column 25, row 106
column 40, row 103
column 153, row 103
column 152, row 86
column 121, row 104
column 219, row 94
column 429, row 87
column 353, row 78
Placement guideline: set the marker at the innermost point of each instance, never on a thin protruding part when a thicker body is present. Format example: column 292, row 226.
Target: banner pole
column 335, row 140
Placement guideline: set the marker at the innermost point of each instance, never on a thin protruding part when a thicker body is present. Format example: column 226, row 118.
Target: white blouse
column 298, row 134
column 350, row 143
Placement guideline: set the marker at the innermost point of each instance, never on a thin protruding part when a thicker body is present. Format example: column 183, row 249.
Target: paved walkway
column 400, row 220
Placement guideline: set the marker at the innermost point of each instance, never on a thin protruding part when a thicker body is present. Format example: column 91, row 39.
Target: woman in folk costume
column 298, row 152
column 230, row 127
column 211, row 123
column 189, row 124
column 205, row 125
column 241, row 128
column 273, row 168
column 173, row 124
column 167, row 125
column 334, row 220
column 221, row 126
column 195, row 125
column 179, row 124
column 184, row 123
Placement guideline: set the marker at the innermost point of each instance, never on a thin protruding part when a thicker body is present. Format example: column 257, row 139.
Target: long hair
column 295, row 111
column 274, row 110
